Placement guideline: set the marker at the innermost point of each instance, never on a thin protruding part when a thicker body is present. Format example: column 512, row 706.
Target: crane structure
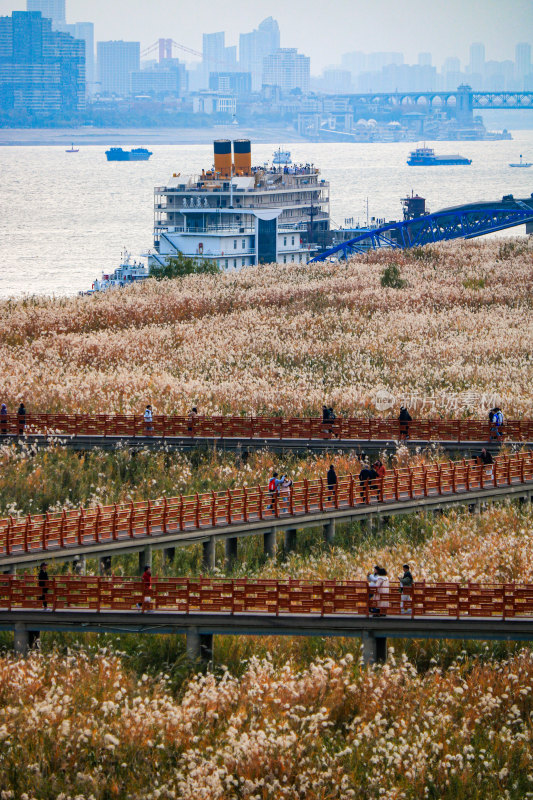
column 460, row 222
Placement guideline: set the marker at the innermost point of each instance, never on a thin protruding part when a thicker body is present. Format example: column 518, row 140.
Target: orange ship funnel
column 223, row 157
column 242, row 156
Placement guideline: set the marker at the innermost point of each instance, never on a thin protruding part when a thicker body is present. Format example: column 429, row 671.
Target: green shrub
column 474, row 283
column 179, row 266
column 391, row 278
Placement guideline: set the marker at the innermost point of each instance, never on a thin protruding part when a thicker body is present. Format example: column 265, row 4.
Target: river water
column 66, row 218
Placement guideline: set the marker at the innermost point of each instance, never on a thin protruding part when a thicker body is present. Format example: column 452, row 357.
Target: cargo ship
column 426, row 157
column 137, row 154
column 236, row 214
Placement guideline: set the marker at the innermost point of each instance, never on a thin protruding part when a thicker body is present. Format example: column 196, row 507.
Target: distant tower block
column 223, row 157
column 242, row 156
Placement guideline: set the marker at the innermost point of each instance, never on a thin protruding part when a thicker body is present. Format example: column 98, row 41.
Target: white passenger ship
column 237, row 215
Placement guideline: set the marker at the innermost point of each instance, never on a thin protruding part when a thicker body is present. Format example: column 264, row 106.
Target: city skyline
column 411, row 28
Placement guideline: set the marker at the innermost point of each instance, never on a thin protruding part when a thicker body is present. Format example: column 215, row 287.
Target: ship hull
column 125, row 156
column 439, row 162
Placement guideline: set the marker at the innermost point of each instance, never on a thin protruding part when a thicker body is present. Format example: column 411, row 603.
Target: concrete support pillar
column 199, row 646
column 230, row 546
column 269, row 544
column 329, row 531
column 381, row 649
column 208, row 554
column 104, row 565
column 369, row 526
column 206, row 647
column 374, row 648
column 475, row 507
column 11, row 569
column 145, row 558
column 79, row 565
column 193, row 644
column 22, row 639
column 169, row 554
column 289, row 540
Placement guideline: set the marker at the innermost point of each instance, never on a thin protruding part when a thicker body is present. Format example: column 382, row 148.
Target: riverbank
column 86, row 135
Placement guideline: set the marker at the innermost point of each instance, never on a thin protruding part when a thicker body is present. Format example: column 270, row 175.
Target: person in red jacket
column 147, row 590
column 380, row 469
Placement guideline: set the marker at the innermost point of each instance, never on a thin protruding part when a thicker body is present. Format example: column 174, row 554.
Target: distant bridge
column 460, row 222
column 460, row 99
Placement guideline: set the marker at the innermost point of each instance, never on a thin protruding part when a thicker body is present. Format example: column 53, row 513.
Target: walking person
column 406, row 585
column 378, row 581
column 272, row 489
column 21, row 415
column 326, row 427
column 366, row 477
column 284, row 490
column 3, row 419
column 43, row 584
column 497, row 421
column 488, row 463
column 404, row 418
column 331, row 478
column 147, row 590
column 148, row 420
column 193, row 413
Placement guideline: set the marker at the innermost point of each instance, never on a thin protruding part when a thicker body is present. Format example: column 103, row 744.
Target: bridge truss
column 462, row 222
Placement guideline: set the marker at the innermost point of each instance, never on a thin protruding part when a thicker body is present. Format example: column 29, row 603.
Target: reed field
column 97, row 718
column 285, row 339
column 82, row 726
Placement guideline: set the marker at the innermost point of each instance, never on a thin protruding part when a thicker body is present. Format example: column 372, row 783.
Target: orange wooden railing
column 210, row 510
column 459, row 430
column 189, row 595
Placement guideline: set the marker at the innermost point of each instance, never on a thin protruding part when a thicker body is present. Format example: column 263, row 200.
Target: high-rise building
column 216, row 56
column 41, row 71
column 255, row 46
column 115, row 61
column 424, row 59
column 287, row 69
column 238, row 83
column 476, row 68
column 522, row 61
column 355, row 62
column 377, row 61
column 451, row 71
column 451, row 64
column 85, row 31
column 336, row 81
column 51, row 9
column 168, row 77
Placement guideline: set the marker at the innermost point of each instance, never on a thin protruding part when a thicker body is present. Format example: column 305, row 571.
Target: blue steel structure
column 460, row 222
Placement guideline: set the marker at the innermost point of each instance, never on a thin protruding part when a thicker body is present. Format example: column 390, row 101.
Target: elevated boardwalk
column 202, row 607
column 107, row 431
column 168, row 522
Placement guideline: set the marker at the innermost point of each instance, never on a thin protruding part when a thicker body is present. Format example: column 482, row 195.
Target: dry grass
column 284, row 339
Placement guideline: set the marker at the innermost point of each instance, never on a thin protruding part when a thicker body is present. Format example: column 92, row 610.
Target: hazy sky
column 322, row 29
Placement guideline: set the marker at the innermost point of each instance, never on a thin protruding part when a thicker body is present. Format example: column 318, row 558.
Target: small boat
column 522, row 163
column 72, row 149
column 282, row 157
column 137, row 154
column 126, row 274
column 426, row 157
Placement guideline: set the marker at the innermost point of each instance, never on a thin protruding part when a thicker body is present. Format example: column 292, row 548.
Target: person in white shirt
column 379, row 584
column 148, row 419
